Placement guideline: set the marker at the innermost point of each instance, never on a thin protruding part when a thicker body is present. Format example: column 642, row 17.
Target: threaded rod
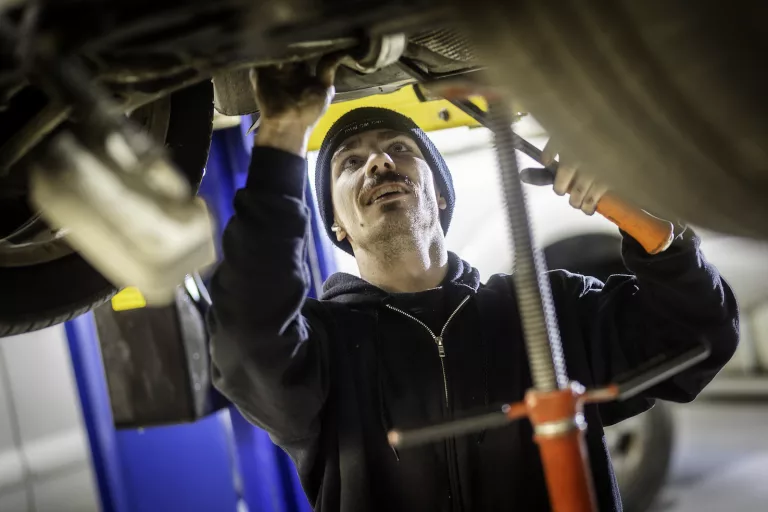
column 532, row 286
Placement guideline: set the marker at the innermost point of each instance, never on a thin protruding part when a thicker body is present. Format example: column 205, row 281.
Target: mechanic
column 418, row 339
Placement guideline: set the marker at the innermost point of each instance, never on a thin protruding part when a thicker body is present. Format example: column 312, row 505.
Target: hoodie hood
column 346, row 288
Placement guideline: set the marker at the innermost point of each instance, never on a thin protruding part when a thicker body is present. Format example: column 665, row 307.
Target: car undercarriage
column 640, row 92
column 107, row 111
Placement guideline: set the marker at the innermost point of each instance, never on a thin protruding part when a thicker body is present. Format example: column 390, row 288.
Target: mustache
column 383, row 178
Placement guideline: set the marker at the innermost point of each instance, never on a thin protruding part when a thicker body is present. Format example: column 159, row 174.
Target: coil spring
column 532, row 286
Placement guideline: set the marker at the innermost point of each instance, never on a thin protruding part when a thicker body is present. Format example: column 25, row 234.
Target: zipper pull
column 440, row 347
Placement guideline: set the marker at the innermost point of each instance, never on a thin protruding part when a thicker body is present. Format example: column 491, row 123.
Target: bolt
column 444, row 115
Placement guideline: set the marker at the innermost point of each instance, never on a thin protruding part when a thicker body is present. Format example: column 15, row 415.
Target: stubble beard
column 403, row 231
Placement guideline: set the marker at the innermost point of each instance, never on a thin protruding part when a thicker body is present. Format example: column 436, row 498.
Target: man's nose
column 379, row 161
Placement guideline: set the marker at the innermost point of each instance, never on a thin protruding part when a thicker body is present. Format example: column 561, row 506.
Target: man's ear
column 441, row 202
column 340, row 233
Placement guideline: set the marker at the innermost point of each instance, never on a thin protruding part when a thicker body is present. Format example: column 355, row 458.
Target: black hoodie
column 328, row 378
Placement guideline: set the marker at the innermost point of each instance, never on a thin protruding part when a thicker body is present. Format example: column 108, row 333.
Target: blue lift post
column 270, row 481
column 97, row 414
column 217, row 462
column 182, row 467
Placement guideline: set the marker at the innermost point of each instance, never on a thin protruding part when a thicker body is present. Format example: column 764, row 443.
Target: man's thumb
column 326, row 68
column 538, row 176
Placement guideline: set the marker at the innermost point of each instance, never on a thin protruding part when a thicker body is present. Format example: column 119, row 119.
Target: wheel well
column 597, row 255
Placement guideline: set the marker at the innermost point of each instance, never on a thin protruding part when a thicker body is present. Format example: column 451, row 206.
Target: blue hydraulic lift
column 218, row 463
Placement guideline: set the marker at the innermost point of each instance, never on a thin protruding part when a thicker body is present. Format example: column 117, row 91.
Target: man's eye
column 352, row 162
column 399, row 147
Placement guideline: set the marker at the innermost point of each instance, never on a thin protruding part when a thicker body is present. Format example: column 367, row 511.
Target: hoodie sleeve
column 674, row 300
column 268, row 358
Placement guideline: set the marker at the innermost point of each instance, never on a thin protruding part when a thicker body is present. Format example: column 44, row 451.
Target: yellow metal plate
column 428, row 115
column 128, row 298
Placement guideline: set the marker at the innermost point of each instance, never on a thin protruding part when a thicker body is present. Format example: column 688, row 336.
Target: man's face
column 382, row 188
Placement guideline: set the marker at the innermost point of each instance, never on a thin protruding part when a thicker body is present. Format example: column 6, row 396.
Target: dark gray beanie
column 373, row 118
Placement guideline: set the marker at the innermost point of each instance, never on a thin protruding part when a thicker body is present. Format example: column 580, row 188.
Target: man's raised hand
column 292, row 99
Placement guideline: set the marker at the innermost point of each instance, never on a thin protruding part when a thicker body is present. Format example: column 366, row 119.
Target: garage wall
column 44, row 453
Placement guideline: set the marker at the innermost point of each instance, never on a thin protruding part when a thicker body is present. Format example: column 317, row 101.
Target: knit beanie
column 374, row 118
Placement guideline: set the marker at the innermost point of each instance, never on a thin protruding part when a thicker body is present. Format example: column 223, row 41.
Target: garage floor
column 721, row 461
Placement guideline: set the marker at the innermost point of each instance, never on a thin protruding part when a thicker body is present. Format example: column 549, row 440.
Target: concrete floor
column 721, row 459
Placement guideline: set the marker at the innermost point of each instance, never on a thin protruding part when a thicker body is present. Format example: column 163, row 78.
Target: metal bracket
column 131, row 215
column 381, row 52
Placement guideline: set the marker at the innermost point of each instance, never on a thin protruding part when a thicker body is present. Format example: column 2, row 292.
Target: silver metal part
column 561, row 427
column 382, row 51
column 448, row 42
column 534, row 294
column 138, row 225
column 233, row 93
column 222, row 122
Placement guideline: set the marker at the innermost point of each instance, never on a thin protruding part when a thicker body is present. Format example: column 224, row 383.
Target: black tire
column 38, row 296
column 664, row 99
column 595, row 254
column 653, row 443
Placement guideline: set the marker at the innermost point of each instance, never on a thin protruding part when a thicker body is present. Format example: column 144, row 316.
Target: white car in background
column 641, row 448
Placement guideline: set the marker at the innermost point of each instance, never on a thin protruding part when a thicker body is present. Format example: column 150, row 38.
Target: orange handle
column 653, row 233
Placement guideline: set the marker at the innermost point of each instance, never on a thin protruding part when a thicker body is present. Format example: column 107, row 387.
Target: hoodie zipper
column 438, row 339
column 451, row 452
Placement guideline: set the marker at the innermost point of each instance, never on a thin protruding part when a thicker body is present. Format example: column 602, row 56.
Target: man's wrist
column 284, row 134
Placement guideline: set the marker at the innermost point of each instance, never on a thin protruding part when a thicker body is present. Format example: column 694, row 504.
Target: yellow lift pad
column 428, row 115
column 128, row 298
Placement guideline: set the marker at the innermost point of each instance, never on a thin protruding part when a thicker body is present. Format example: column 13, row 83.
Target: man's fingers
column 564, row 178
column 592, row 197
column 579, row 187
column 549, row 153
column 584, row 193
column 326, row 68
column 295, row 88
